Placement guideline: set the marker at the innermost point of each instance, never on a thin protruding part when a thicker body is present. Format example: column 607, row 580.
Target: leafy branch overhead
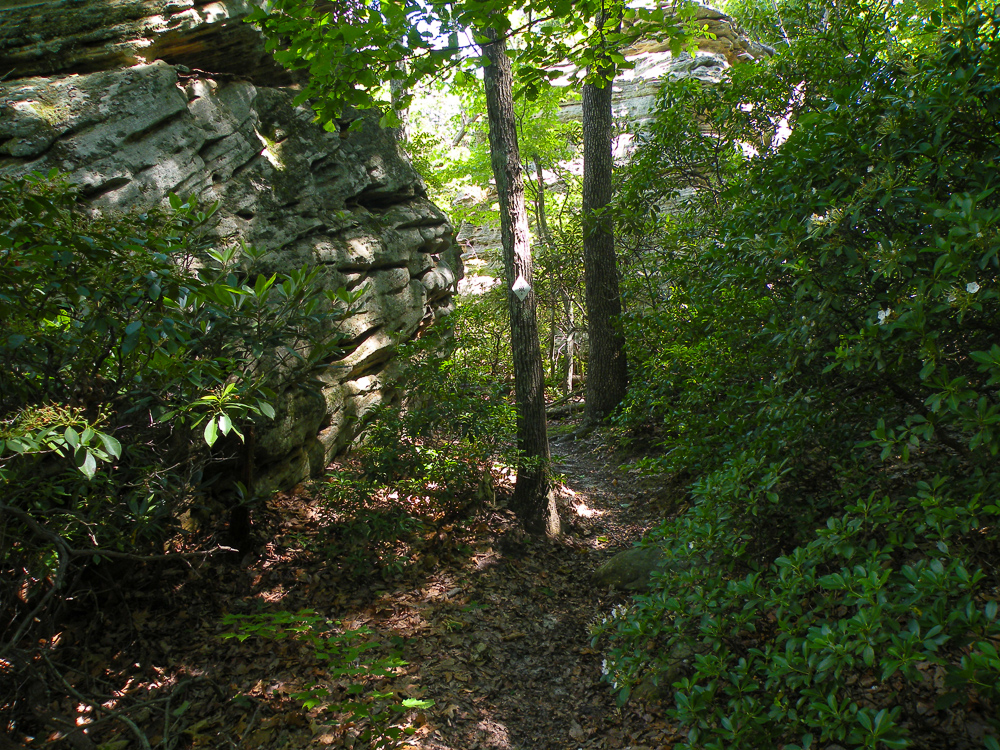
column 352, row 50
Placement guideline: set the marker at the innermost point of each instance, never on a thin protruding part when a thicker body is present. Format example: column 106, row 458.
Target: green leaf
column 947, row 700
column 990, row 610
column 111, row 445
column 86, row 463
column 211, row 432
column 416, row 703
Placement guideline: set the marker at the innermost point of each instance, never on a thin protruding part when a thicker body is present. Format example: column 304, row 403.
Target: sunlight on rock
column 271, row 150
column 477, row 284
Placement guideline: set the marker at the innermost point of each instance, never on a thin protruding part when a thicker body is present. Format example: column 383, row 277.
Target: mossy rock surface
column 630, row 570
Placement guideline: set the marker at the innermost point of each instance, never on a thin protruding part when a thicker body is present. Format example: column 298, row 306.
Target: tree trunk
column 398, row 91
column 607, row 373
column 570, row 340
column 533, row 501
column 552, row 337
column 543, row 225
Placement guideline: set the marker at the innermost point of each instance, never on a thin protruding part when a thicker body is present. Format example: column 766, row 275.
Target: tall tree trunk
column 570, row 340
column 607, row 372
column 398, row 91
column 552, row 337
column 543, row 224
column 543, row 234
column 533, row 501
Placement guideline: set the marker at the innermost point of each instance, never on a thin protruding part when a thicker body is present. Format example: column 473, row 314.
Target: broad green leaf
column 111, row 444
column 211, row 432
column 86, row 463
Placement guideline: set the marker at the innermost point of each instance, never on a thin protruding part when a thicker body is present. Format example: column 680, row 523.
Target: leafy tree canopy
column 351, row 51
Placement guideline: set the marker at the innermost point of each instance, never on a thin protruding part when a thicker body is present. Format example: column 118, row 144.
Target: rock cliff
column 635, row 90
column 135, row 99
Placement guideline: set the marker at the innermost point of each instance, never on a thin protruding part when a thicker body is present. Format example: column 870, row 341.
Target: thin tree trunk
column 570, row 339
column 552, row 337
column 543, row 225
column 546, row 238
column 533, row 501
column 607, row 373
column 398, row 91
column 464, row 129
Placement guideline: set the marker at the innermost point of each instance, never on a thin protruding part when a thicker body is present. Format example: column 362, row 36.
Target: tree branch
column 67, row 553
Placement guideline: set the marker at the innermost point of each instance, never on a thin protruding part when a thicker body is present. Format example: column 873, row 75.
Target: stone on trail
column 630, row 569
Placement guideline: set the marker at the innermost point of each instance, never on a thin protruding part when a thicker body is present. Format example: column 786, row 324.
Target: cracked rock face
column 349, row 202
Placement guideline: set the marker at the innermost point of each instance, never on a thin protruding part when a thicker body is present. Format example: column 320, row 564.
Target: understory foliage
column 356, row 665
column 450, row 427
column 135, row 357
column 425, row 461
column 815, row 326
column 452, row 153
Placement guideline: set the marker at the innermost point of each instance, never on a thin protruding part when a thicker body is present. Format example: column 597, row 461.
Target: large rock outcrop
column 132, row 128
column 635, row 90
column 48, row 37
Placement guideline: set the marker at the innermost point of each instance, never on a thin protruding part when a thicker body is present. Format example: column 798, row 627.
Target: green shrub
column 452, row 424
column 824, row 327
column 425, row 460
column 130, row 347
column 351, row 691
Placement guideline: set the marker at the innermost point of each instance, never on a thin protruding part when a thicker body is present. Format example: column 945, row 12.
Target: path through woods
column 495, row 629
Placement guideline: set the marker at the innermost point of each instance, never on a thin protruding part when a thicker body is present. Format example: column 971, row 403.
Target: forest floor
column 493, row 625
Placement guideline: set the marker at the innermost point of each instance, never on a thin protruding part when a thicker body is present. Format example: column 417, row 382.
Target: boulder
column 630, row 570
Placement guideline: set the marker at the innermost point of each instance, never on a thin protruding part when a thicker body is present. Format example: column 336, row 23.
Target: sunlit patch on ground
column 492, row 626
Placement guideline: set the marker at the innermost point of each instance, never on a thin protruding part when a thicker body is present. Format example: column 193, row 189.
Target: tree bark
column 607, row 372
column 570, row 340
column 398, row 91
column 533, row 501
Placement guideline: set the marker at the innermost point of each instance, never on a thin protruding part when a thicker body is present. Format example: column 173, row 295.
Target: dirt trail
column 538, row 683
column 493, row 624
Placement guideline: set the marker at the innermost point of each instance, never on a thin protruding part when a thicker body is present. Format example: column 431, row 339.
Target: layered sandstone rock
column 346, row 201
column 722, row 46
column 47, row 37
